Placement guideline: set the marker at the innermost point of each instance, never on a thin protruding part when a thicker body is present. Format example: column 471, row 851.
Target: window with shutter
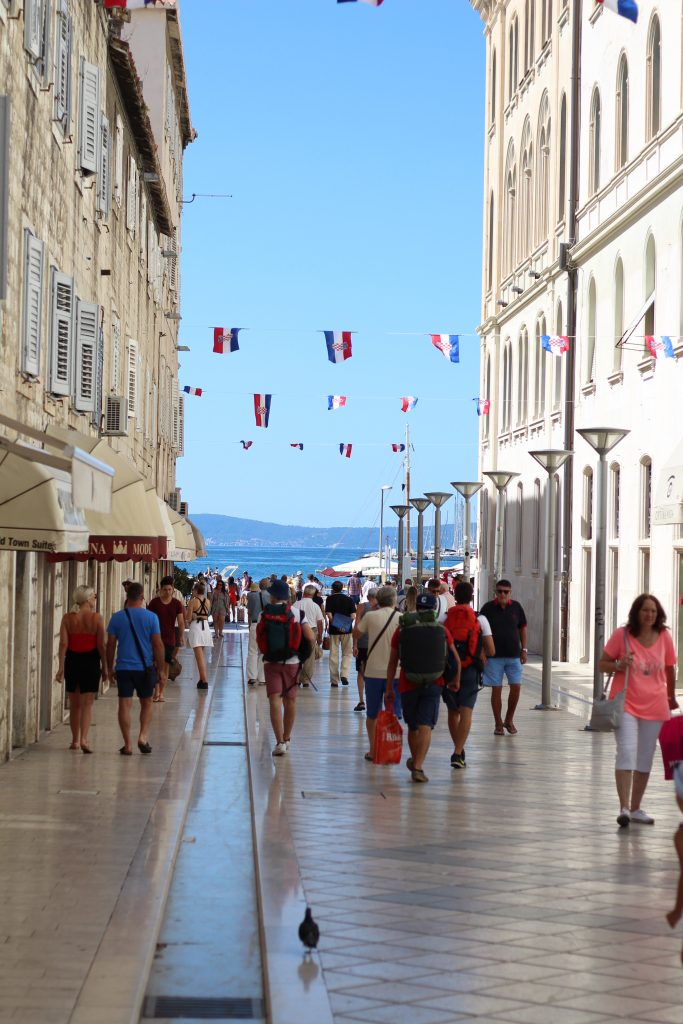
column 176, row 414
column 118, row 167
column 89, row 137
column 33, row 21
column 154, row 412
column 5, row 110
column 61, row 333
column 115, row 370
column 148, row 403
column 87, row 334
column 143, row 229
column 150, row 251
column 132, row 378
column 104, row 182
column 181, row 425
column 33, row 304
column 132, row 197
column 173, row 263
column 169, row 406
column 43, row 65
column 62, row 112
column 139, row 381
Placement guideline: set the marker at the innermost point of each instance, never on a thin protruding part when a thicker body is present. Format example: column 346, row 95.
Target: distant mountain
column 228, row 531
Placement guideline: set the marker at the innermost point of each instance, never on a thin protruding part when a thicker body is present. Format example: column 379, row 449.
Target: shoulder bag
column 607, row 715
column 149, row 670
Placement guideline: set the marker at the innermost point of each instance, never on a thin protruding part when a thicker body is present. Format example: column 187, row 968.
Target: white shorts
column 636, row 742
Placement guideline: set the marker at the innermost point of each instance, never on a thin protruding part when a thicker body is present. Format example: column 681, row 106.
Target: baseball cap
column 279, row 590
column 426, row 602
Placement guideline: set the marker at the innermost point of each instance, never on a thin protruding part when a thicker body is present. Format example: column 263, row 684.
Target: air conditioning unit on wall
column 184, row 508
column 115, row 416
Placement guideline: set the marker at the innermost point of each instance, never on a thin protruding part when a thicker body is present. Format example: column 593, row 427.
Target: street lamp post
column 500, row 479
column 551, row 459
column 380, row 551
column 420, row 504
column 602, row 440
column 437, row 498
column 401, row 511
column 466, row 490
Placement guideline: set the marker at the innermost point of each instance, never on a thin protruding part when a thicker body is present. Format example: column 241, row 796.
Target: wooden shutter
column 173, row 262
column 33, row 22
column 61, row 333
column 132, row 196
column 143, row 229
column 5, row 111
column 132, row 377
column 115, row 370
column 148, row 403
column 181, row 425
column 150, row 251
column 89, row 116
column 87, row 336
column 33, row 304
column 176, row 413
column 104, row 182
column 118, row 168
column 63, row 66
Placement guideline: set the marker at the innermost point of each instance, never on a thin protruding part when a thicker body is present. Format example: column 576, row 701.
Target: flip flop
column 144, row 748
column 499, row 731
column 126, row 753
column 511, row 729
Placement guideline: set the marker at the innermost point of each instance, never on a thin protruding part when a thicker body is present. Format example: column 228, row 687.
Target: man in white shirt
column 369, row 584
column 316, row 620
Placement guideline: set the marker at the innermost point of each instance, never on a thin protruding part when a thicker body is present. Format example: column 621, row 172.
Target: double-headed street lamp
column 437, row 498
column 500, row 478
column 401, row 511
column 551, row 459
column 467, row 491
column 420, row 504
column 602, row 440
column 380, row 552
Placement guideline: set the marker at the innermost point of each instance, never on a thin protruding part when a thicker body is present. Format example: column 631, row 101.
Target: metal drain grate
column 199, row 1008
column 224, row 743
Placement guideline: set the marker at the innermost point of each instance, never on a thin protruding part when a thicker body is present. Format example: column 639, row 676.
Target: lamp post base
column 546, row 707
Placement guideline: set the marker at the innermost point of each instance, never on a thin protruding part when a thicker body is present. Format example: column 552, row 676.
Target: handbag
column 342, row 623
column 149, row 670
column 388, row 743
column 174, row 669
column 607, row 715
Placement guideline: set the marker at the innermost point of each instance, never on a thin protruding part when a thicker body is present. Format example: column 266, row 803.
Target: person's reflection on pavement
column 674, row 916
column 276, row 853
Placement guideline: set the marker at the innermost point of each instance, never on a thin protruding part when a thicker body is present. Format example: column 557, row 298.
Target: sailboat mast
column 406, row 464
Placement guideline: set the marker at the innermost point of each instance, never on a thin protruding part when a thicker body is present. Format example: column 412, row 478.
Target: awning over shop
column 185, row 549
column 36, row 508
column 199, row 541
column 668, row 505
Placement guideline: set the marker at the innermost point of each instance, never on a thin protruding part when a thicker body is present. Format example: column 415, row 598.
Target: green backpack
column 422, row 647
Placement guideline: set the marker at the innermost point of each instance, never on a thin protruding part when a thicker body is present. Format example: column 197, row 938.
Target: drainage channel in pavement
column 208, row 960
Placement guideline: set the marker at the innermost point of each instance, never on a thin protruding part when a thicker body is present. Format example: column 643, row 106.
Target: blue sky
column 351, row 140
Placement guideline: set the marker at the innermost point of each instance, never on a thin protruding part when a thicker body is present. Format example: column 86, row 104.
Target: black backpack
column 422, row 648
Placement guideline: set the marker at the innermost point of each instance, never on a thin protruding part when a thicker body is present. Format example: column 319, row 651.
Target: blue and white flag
column 626, row 8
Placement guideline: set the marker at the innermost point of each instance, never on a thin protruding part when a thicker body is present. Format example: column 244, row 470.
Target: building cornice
column 187, row 132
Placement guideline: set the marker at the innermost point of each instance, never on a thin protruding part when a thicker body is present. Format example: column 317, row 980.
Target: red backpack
column 463, row 625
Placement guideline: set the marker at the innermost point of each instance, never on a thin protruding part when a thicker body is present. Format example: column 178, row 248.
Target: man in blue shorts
column 508, row 628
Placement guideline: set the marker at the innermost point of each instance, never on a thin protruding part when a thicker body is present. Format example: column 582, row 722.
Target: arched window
column 507, row 387
column 538, row 521
column 589, row 364
column 487, row 395
column 540, row 367
column 650, row 288
column 557, row 373
column 526, row 193
column 543, row 173
column 510, row 217
column 522, row 376
column 546, row 20
column 562, row 159
column 490, row 241
column 529, row 33
column 483, row 541
column 654, row 79
column 618, row 314
column 513, row 65
column 614, row 501
column 594, row 130
column 621, row 132
column 520, row 527
column 587, row 516
column 645, row 497
column 557, row 492
column 492, row 98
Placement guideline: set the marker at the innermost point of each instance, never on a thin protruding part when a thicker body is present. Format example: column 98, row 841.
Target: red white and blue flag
column 137, row 5
column 262, row 409
column 297, row 444
column 225, row 339
column 336, row 401
column 398, row 447
column 448, row 345
column 408, row 403
column 556, row 344
column 373, row 3
column 345, row 450
column 660, row 347
column 483, row 406
column 626, row 8
column 338, row 345
column 193, row 391
column 246, row 445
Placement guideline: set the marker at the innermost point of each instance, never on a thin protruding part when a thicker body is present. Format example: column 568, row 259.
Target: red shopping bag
column 388, row 739
column 671, row 742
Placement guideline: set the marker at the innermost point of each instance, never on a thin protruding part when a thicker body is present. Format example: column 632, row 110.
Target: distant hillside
column 228, row 531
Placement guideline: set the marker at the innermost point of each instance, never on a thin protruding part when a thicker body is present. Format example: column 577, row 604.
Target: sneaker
column 417, row 775
column 624, row 817
column 345, row 682
column 360, row 706
column 458, row 761
column 279, row 749
column 287, row 744
column 641, row 817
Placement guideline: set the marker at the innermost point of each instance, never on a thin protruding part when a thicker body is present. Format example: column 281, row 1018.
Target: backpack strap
column 380, row 634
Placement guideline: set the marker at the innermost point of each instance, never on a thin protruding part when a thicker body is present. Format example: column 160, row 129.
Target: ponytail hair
column 80, row 596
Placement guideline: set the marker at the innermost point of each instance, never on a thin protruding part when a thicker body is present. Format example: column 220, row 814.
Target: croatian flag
column 398, row 447
column 137, row 5
column 626, row 8
column 262, row 409
column 408, row 403
column 660, row 347
column 225, row 339
column 483, row 406
column 193, row 391
column 246, row 445
column 448, row 345
column 345, row 449
column 335, row 401
column 373, row 3
column 298, row 445
column 556, row 344
column 338, row 345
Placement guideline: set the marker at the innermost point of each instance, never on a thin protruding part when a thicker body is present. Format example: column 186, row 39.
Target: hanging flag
column 335, row 401
column 246, row 445
column 398, row 447
column 408, row 403
column 225, row 339
column 338, row 345
column 372, row 3
column 262, row 409
column 297, row 444
column 556, row 344
column 137, row 5
column 483, row 406
column 448, row 345
column 193, row 391
column 626, row 8
column 345, row 449
column 660, row 347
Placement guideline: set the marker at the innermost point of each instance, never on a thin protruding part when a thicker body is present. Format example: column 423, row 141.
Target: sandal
column 499, row 730
column 126, row 753
column 85, row 749
column 144, row 748
column 368, row 757
column 510, row 728
column 360, row 706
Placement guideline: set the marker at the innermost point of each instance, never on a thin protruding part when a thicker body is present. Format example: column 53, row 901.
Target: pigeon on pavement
column 309, row 933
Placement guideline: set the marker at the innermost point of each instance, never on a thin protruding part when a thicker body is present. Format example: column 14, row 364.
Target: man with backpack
column 429, row 661
column 284, row 641
column 474, row 644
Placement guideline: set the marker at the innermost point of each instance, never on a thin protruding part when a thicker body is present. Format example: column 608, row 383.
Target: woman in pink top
column 645, row 647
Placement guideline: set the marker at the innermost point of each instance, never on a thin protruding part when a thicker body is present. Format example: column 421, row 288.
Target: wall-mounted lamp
column 535, row 274
column 516, row 289
column 173, row 316
column 502, row 302
column 182, row 348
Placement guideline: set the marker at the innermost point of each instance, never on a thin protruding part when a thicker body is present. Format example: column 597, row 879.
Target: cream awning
column 200, row 543
column 185, row 549
column 36, row 508
column 668, row 505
